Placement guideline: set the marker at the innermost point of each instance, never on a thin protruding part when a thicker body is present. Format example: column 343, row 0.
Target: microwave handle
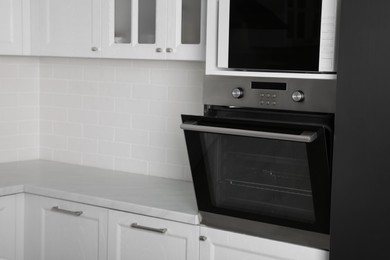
column 304, row 137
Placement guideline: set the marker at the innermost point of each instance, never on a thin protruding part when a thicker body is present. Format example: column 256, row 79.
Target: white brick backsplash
column 97, row 160
column 134, row 166
column 115, row 90
column 131, row 136
column 106, row 113
column 149, row 123
column 99, row 103
column 148, row 153
column 99, row 74
column 115, row 119
column 132, row 75
column 114, row 149
column 99, row 132
column 19, row 108
column 83, row 145
column 67, row 156
column 83, row 88
column 83, row 116
column 67, row 129
column 125, row 105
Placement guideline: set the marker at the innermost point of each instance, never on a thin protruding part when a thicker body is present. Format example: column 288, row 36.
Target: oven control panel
column 287, row 94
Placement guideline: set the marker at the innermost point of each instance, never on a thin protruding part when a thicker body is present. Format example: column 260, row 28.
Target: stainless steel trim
column 65, row 211
column 157, row 230
column 320, row 95
column 304, row 137
column 265, row 230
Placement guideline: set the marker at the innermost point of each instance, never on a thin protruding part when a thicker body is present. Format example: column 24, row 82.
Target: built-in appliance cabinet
column 140, row 237
column 154, row 29
column 66, row 28
column 14, row 27
column 11, row 227
column 147, row 29
column 222, row 245
column 57, row 229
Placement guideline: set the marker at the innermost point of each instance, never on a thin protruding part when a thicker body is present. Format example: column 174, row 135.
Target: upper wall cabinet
column 66, row 28
column 154, row 29
column 14, row 27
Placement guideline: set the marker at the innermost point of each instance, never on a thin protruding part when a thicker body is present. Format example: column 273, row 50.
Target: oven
column 261, row 157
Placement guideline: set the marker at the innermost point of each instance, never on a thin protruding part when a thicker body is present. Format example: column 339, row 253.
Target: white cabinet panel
column 143, row 238
column 186, row 30
column 223, row 245
column 134, row 29
column 154, row 29
column 11, row 227
column 11, row 27
column 63, row 230
column 66, row 28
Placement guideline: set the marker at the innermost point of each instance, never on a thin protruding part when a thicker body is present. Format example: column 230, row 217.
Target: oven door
column 276, row 173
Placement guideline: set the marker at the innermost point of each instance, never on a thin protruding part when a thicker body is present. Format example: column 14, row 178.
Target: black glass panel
column 259, row 176
column 275, row 34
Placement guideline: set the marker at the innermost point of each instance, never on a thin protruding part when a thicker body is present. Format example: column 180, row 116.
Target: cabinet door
column 63, row 230
column 66, row 28
column 186, row 30
column 144, row 238
column 134, row 29
column 11, row 27
column 11, row 227
column 223, row 245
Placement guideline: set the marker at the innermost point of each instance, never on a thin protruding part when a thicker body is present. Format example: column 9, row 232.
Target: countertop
column 152, row 196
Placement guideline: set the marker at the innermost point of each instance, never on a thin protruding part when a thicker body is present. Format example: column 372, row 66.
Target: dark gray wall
column 360, row 221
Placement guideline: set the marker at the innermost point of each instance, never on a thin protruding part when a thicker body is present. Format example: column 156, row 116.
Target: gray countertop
column 140, row 194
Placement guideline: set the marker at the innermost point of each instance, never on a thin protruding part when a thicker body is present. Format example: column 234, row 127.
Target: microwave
column 285, row 36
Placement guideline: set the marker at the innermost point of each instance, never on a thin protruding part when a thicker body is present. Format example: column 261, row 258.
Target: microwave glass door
column 270, row 174
column 274, row 35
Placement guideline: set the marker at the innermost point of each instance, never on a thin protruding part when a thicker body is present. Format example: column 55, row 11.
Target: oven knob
column 298, row 96
column 238, row 93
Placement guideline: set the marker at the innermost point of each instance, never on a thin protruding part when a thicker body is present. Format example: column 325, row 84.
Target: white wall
column 118, row 114
column 19, row 108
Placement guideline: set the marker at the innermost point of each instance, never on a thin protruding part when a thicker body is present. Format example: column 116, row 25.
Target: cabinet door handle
column 94, row 49
column 65, row 211
column 158, row 230
column 159, row 50
column 169, row 50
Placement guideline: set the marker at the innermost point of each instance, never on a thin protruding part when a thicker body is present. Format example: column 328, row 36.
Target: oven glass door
column 274, row 34
column 271, row 173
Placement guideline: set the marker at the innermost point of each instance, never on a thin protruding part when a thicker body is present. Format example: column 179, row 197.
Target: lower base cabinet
column 63, row 230
column 11, row 227
column 223, row 245
column 40, row 228
column 144, row 238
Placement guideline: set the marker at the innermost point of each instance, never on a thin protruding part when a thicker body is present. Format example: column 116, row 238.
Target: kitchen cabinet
column 14, row 27
column 360, row 209
column 68, row 28
column 11, row 227
column 139, row 237
column 151, row 29
column 224, row 245
column 63, row 230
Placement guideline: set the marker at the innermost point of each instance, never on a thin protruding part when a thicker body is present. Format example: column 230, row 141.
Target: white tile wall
column 117, row 114
column 19, row 108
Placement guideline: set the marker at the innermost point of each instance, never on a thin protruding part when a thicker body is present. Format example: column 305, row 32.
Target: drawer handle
column 74, row 213
column 158, row 230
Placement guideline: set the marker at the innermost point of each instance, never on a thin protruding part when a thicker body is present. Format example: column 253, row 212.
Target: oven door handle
column 304, row 137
